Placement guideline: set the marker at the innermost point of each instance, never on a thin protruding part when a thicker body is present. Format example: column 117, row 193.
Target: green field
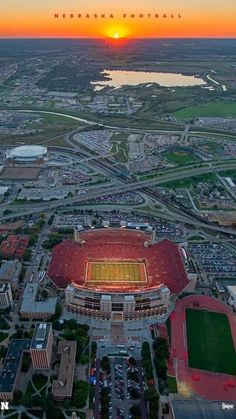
column 210, row 343
column 188, row 183
column 131, row 272
column 216, row 108
column 172, row 384
column 180, row 156
column 120, row 147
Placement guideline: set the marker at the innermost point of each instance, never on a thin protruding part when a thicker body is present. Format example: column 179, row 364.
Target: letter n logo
column 4, row 405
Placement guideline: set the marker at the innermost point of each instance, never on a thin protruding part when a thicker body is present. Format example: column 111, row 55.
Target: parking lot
column 120, row 389
column 214, row 259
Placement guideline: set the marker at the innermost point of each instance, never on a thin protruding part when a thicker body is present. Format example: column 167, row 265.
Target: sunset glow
column 199, row 18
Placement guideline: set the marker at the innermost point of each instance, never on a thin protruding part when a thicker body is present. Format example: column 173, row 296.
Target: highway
column 131, row 186
column 28, row 209
column 96, row 123
column 124, row 183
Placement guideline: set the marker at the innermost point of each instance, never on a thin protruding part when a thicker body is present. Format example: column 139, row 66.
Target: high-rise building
column 6, row 299
column 41, row 346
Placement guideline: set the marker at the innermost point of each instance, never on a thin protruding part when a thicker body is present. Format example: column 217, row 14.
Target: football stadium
column 118, row 274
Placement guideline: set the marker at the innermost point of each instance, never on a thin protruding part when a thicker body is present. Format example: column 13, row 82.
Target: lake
column 119, row 78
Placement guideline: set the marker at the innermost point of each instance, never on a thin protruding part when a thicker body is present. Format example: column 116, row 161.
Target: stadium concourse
column 192, row 381
column 163, row 260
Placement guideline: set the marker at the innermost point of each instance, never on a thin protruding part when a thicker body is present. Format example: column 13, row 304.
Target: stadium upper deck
column 163, row 261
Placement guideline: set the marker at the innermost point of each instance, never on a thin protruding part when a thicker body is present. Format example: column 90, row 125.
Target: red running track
column 210, row 386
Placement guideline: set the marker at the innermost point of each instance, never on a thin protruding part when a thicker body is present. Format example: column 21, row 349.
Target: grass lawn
column 180, row 156
column 187, row 183
column 39, row 380
column 210, row 343
column 213, row 147
column 30, row 389
column 3, row 336
column 193, row 238
column 208, row 109
column 120, row 147
column 172, row 385
column 228, row 173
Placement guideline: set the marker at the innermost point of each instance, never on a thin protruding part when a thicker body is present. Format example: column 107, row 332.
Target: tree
column 44, row 294
column 26, row 400
column 67, row 404
column 33, row 239
column 57, row 312
column 50, row 221
column 133, row 375
column 26, row 361
column 105, row 364
column 134, row 393
column 152, row 397
column 7, row 212
column 132, row 361
column 135, row 411
column 17, row 397
column 27, row 255
column 80, row 393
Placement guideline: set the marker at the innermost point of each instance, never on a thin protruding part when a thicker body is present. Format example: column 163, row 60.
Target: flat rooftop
column 20, row 173
column 40, row 338
column 63, row 386
column 31, row 305
column 202, row 410
column 12, row 363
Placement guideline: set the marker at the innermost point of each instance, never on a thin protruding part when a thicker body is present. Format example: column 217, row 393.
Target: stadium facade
column 118, row 274
column 26, row 155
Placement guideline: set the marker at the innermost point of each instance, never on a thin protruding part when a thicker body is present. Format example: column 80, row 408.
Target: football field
column 131, row 272
column 210, row 343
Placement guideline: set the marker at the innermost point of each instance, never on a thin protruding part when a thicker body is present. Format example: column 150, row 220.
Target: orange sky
column 35, row 18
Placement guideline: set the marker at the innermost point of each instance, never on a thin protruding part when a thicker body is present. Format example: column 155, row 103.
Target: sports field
column 180, row 157
column 210, row 343
column 131, row 272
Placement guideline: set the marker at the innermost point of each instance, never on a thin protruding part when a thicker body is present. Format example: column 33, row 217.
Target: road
column 97, row 394
column 28, row 208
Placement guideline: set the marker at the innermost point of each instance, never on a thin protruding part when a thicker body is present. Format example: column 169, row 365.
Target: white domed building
column 26, row 155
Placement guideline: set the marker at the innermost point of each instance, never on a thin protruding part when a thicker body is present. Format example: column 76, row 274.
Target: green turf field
column 131, row 272
column 215, row 108
column 210, row 343
column 180, row 156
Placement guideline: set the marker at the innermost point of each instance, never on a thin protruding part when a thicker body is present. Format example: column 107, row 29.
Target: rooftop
column 184, row 409
column 12, row 363
column 40, row 338
column 4, row 287
column 14, row 246
column 9, row 268
column 232, row 289
column 63, row 386
column 26, row 151
column 31, row 305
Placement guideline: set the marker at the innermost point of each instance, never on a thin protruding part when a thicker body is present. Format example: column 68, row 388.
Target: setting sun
column 117, row 31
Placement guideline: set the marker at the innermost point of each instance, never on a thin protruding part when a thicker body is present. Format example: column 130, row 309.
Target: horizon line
column 122, row 38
